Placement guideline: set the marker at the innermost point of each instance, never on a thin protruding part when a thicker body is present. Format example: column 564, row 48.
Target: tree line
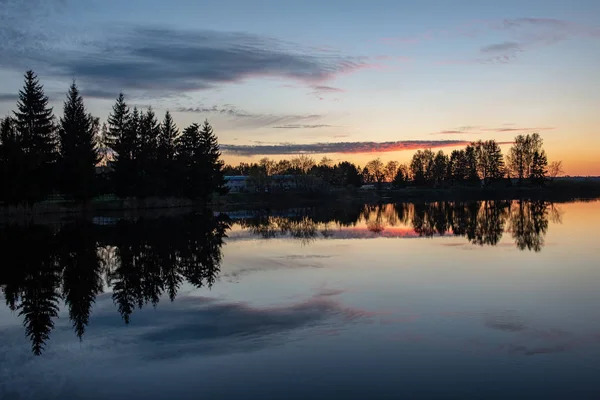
column 480, row 161
column 41, row 154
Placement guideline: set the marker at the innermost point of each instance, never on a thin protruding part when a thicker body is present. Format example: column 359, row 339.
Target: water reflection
column 482, row 222
column 139, row 260
column 144, row 260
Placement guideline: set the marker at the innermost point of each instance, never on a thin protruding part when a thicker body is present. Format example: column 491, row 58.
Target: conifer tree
column 471, row 164
column 214, row 163
column 37, row 132
column 166, row 155
column 78, row 148
column 539, row 167
column 122, row 140
column 149, row 130
column 189, row 163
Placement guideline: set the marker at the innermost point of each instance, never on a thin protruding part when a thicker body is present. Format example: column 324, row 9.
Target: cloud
column 301, row 126
column 508, row 321
column 8, row 97
column 320, row 91
column 254, row 119
column 339, row 147
column 501, row 47
column 520, row 35
column 327, row 89
column 517, row 129
column 162, row 60
column 481, row 129
column 210, row 326
column 458, row 131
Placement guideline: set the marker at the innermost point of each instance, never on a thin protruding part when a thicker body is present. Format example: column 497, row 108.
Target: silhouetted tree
column 402, row 176
column 268, row 165
column 147, row 162
column 302, row 163
column 471, row 164
column 539, row 168
column 213, row 162
column 376, row 171
column 440, row 165
column 391, row 170
column 37, row 133
column 78, row 148
column 166, row 154
column 490, row 163
column 555, row 170
column 521, row 154
column 123, row 141
column 421, row 167
column 190, row 163
column 348, row 173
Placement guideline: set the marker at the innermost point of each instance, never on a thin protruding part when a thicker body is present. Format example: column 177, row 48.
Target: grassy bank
column 563, row 190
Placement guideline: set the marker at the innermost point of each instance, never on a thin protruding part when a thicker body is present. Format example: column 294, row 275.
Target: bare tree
column 326, row 162
column 268, row 165
column 555, row 169
column 303, row 163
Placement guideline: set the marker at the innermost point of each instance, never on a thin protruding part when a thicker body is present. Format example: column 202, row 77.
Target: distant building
column 236, row 183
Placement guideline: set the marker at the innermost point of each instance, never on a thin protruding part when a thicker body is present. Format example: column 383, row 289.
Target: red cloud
column 340, row 147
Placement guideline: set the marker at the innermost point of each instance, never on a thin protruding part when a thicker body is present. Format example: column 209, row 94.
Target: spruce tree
column 539, row 167
column 37, row 131
column 471, row 164
column 191, row 180
column 495, row 160
column 149, row 130
column 78, row 148
column 166, row 155
column 213, row 162
column 122, row 141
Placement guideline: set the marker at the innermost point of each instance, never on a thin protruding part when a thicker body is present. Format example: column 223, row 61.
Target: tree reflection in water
column 481, row 222
column 145, row 260
column 140, row 260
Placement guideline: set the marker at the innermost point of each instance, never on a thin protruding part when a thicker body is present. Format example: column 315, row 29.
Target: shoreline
column 235, row 201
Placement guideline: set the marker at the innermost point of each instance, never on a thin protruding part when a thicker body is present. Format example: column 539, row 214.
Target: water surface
column 443, row 300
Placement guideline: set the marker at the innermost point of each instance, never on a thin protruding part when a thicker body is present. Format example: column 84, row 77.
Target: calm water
column 450, row 301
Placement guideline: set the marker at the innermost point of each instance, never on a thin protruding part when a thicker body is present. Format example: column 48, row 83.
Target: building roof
column 235, row 177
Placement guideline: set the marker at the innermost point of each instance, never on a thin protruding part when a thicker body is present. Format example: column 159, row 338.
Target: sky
column 348, row 79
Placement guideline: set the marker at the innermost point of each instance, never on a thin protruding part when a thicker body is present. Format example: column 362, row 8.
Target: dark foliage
column 36, row 129
column 78, row 149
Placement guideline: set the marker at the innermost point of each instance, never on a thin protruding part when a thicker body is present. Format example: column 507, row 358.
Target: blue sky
column 310, row 72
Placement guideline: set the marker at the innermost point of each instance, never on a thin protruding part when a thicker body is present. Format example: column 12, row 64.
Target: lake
column 484, row 300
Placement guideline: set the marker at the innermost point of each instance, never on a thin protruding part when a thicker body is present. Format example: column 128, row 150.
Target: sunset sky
column 349, row 79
